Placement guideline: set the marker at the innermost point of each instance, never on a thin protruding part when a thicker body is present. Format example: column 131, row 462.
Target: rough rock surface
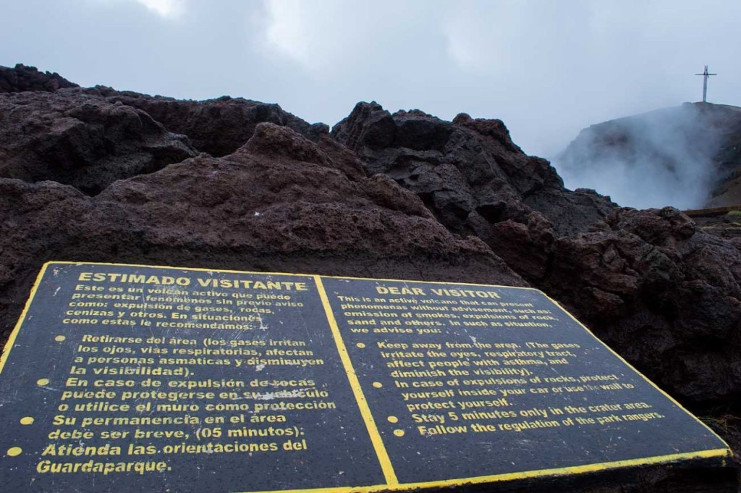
column 724, row 222
column 664, row 294
column 217, row 126
column 81, row 140
column 279, row 203
column 469, row 172
column 22, row 78
column 475, row 181
column 399, row 196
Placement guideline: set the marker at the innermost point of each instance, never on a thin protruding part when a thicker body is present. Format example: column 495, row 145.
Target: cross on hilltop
column 705, row 75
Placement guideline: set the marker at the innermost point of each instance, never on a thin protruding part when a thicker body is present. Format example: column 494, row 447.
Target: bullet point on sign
column 42, row 381
column 60, row 338
column 28, row 420
column 377, row 385
column 14, row 451
column 360, row 345
column 399, row 433
column 393, row 419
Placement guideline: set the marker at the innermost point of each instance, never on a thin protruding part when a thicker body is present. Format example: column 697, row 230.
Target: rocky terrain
column 101, row 175
column 22, row 78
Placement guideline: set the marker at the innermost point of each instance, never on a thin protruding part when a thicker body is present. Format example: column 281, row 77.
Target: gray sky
column 546, row 67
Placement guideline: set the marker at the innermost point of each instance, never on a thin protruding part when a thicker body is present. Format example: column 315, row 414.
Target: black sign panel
column 469, row 381
column 145, row 378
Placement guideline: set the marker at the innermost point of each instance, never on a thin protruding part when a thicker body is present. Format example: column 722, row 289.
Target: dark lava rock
column 664, row 295
column 81, row 140
column 475, row 180
column 468, row 171
column 280, row 203
column 724, row 222
column 216, row 126
column 22, row 78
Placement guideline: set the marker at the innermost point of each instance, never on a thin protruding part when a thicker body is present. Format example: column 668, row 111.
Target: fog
column 665, row 157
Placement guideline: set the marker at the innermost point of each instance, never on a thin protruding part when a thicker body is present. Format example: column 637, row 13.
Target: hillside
column 101, row 175
column 687, row 156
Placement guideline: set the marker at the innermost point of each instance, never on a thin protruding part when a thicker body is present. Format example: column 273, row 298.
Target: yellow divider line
column 383, row 457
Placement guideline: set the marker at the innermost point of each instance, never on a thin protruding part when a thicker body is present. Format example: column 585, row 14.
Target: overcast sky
column 546, row 67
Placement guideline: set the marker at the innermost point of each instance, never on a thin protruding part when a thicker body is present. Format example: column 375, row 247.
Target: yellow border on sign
column 512, row 476
column 395, row 486
column 641, row 375
column 370, row 423
column 17, row 328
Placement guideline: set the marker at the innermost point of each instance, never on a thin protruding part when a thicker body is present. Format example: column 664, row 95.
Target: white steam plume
column 665, row 157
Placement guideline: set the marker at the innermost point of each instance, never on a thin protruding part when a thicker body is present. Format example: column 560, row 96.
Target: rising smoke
column 665, row 157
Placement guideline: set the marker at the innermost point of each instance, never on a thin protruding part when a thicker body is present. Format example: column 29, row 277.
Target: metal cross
column 705, row 75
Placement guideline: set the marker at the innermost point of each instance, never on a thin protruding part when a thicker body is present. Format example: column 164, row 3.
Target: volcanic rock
column 663, row 294
column 722, row 221
column 280, row 203
column 468, row 172
column 216, row 126
column 81, row 140
column 22, row 78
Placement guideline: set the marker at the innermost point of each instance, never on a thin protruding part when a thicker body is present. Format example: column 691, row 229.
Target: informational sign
column 140, row 378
